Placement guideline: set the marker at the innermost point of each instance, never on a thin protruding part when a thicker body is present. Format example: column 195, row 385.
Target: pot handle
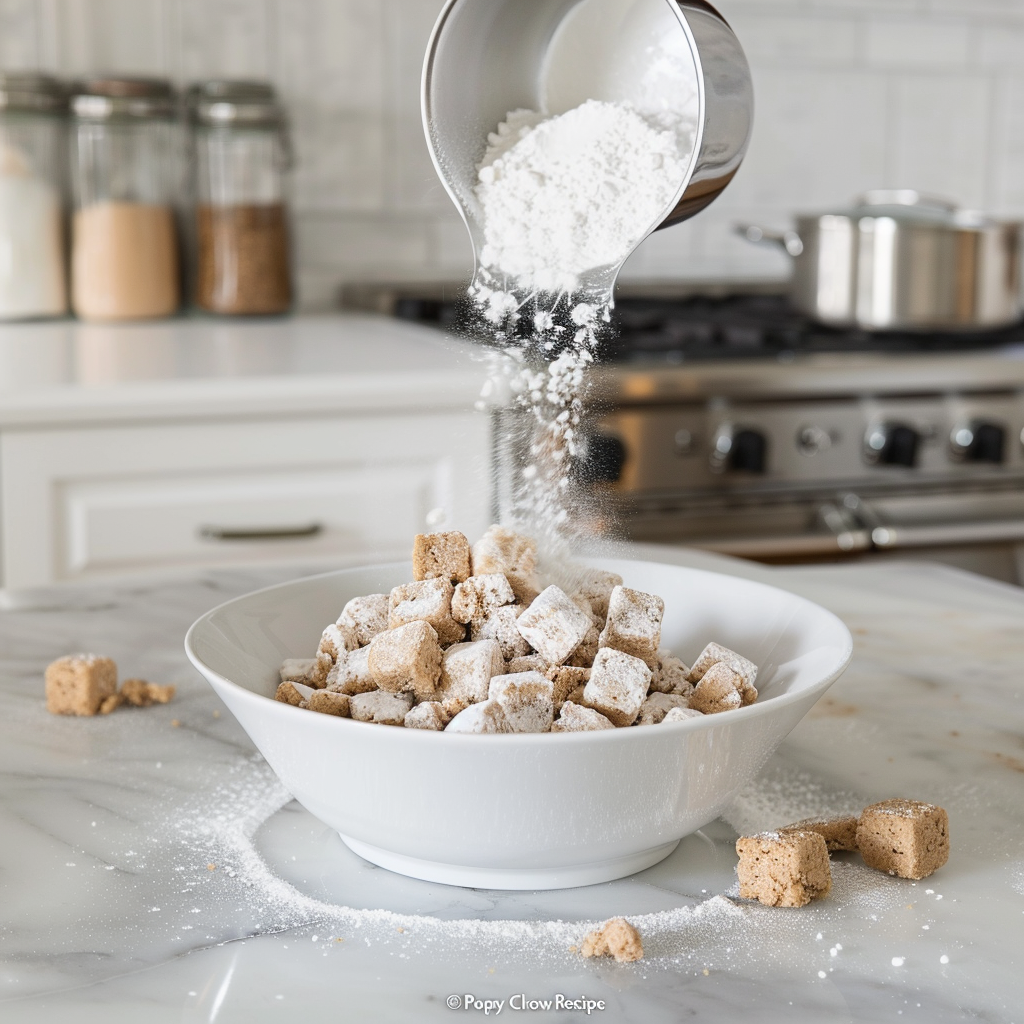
column 789, row 241
column 905, row 197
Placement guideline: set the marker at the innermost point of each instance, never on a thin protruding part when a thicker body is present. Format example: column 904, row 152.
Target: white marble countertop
column 151, row 869
column 65, row 371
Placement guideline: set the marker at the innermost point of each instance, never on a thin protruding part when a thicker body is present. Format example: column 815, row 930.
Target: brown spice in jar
column 243, row 258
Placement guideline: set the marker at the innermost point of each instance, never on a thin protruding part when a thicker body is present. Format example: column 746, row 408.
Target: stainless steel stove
column 734, row 424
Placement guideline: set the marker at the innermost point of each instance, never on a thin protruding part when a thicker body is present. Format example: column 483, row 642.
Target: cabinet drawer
column 78, row 504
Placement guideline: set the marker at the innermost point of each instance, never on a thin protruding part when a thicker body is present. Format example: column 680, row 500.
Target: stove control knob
column 892, row 444
column 740, row 449
column 978, row 441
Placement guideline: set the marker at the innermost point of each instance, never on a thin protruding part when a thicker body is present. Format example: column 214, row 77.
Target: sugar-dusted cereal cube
column 426, row 601
column 289, row 693
column 617, row 938
column 380, row 707
column 597, row 586
column 584, row 655
column 515, row 556
column 575, row 718
column 528, row 663
column 478, row 596
column 334, row 642
column 142, row 694
column 565, row 679
column 78, row 684
column 466, row 673
column 296, row 670
column 717, row 691
column 554, row 625
column 428, row 715
column 487, row 716
column 576, row 696
column 634, row 624
column 526, row 699
column 364, row 617
column 328, row 702
column 681, row 715
column 783, row 869
column 904, row 837
column 500, row 625
column 716, row 654
column 442, row 555
column 839, row 831
column 407, row 658
column 658, row 705
column 351, row 673
column 670, row 676
column 618, row 685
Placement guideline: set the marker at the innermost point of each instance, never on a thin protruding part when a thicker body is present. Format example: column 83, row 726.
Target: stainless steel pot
column 901, row 261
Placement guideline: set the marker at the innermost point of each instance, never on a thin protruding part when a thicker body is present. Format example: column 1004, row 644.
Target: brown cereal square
column 634, row 624
column 717, row 691
column 288, row 693
column 406, row 658
column 554, row 625
column 574, row 717
column 428, row 715
column 565, row 679
column 904, row 837
column 475, row 599
column 783, row 869
column 504, row 551
column 329, row 702
column 745, row 669
column 444, row 555
column 363, row 618
column 617, row 686
column 141, row 694
column 616, row 938
column 525, row 697
column 658, row 705
column 466, row 673
column 78, row 684
column 426, row 601
column 485, row 717
column 839, row 831
column 500, row 625
column 380, row 707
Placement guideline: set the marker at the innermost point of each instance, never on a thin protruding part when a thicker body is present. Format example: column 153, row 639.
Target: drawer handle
column 258, row 533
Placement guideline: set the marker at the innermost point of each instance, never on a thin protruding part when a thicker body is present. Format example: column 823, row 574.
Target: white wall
column 851, row 94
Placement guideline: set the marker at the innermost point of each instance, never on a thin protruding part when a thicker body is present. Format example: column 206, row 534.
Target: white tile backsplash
column 850, row 94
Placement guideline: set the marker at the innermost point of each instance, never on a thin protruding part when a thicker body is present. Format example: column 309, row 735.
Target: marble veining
column 152, row 868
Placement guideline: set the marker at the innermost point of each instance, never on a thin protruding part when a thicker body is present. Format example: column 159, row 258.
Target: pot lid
column 912, row 207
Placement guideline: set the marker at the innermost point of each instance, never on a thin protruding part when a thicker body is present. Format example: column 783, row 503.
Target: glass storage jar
column 240, row 160
column 32, row 131
column 125, row 176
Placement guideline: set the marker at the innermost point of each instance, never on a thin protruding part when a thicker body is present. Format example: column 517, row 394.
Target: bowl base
column 510, row 878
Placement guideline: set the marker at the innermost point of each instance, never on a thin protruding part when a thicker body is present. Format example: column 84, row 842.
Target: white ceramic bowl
column 522, row 811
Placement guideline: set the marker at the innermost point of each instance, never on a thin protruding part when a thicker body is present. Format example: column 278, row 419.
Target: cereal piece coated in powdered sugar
column 426, row 601
column 478, row 596
column 444, row 555
column 466, row 673
column 510, row 553
column 327, row 702
column 526, row 699
column 658, row 705
column 575, row 718
column 715, row 654
column 597, row 586
column 380, row 707
column 407, row 658
column 634, row 624
column 79, row 684
column 500, row 625
column 681, row 715
column 428, row 715
column 717, row 691
column 554, row 625
column 618, row 685
column 565, row 679
column 904, row 837
column 351, row 673
column 333, row 642
column 480, row 718
column 783, row 869
column 670, row 676
column 529, row 663
column 839, row 831
column 288, row 693
column 583, row 656
column 616, row 938
column 296, row 670
column 365, row 617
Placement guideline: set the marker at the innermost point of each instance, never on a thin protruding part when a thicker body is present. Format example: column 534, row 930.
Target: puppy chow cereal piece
column 526, row 699
column 783, row 869
column 583, row 656
column 634, row 624
column 500, row 625
column 351, row 673
column 487, row 716
column 839, row 832
column 515, row 556
column 904, row 837
column 466, row 673
column 380, row 707
column 617, row 938
column 426, row 601
column 478, row 596
column 716, row 654
column 111, row 703
column 364, row 617
column 79, row 684
column 141, row 694
column 554, row 625
column 597, row 586
column 717, row 691
column 289, row 693
column 296, row 670
column 576, row 696
column 658, row 705
column 443, row 555
column 334, row 641
column 617, row 686
column 566, row 679
column 670, row 676
column 406, row 658
column 681, row 715
column 329, row 702
column 574, row 717
column 428, row 715
column 529, row 663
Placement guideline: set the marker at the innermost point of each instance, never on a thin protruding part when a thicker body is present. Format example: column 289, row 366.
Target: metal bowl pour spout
column 488, row 57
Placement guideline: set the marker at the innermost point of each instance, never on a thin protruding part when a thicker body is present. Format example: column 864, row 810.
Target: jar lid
column 101, row 99
column 225, row 103
column 31, row 92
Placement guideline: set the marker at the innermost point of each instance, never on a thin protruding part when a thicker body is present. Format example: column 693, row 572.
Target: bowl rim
column 393, row 734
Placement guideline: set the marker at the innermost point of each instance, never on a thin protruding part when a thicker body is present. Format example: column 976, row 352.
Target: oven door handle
column 889, row 538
